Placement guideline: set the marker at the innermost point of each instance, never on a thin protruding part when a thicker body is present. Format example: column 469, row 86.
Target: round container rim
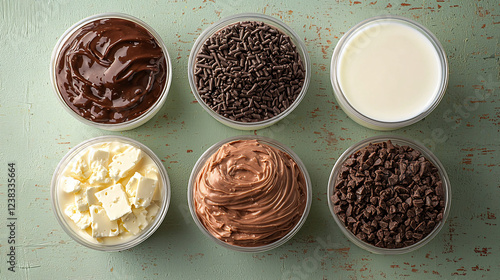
column 134, row 240
column 138, row 121
column 386, row 125
column 396, row 139
column 268, row 141
column 299, row 44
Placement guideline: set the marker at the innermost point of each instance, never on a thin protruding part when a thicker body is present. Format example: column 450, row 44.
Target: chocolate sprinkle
column 249, row 71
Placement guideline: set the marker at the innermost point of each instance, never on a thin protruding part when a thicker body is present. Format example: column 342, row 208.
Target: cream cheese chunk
column 102, row 226
column 70, row 185
column 122, row 163
column 99, row 174
column 81, row 219
column 90, row 194
column 81, row 202
column 80, row 169
column 152, row 211
column 114, row 200
column 100, row 156
column 136, row 221
column 141, row 190
column 153, row 174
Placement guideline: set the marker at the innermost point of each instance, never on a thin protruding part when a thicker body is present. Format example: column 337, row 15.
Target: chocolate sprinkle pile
column 389, row 196
column 249, row 71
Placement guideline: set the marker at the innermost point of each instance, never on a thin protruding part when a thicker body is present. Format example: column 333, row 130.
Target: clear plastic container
column 361, row 117
column 131, row 124
column 273, row 143
column 399, row 141
column 119, row 244
column 299, row 44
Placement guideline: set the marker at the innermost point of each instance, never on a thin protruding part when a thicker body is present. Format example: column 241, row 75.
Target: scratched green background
column 463, row 131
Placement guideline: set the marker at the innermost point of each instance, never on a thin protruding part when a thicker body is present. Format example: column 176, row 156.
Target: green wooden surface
column 463, row 132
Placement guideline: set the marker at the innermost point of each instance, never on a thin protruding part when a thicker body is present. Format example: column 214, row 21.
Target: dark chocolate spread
column 111, row 71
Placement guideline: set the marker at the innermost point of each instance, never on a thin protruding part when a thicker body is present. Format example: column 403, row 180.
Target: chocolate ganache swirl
column 249, row 194
column 111, row 71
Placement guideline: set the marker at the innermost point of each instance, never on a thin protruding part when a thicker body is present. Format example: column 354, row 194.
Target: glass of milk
column 388, row 72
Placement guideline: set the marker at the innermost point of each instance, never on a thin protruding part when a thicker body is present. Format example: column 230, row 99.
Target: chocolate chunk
column 439, row 217
column 393, row 225
column 349, row 211
column 350, row 162
column 420, row 227
column 371, row 237
column 419, row 203
column 392, row 180
column 417, row 236
column 428, row 201
column 342, row 217
column 350, row 220
column 358, row 180
column 366, row 228
column 431, row 224
column 399, row 238
column 361, row 190
column 383, row 224
column 362, row 236
column 344, row 173
column 400, row 189
column 335, row 198
column 424, row 166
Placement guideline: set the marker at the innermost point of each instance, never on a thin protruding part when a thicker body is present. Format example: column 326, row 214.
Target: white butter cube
column 156, row 195
column 81, row 219
column 136, row 221
column 145, row 192
column 114, row 200
column 141, row 189
column 121, row 228
column 152, row 212
column 82, row 204
column 90, row 194
column 80, row 169
column 100, row 156
column 124, row 162
column 131, row 187
column 140, row 215
column 119, row 148
column 70, row 185
column 153, row 174
column 130, row 224
column 102, row 226
column 99, row 174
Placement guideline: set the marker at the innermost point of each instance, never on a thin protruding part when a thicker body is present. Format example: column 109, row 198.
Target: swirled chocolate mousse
column 249, row 194
column 111, row 71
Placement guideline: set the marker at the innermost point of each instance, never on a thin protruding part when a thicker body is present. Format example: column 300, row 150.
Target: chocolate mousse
column 111, row 71
column 249, row 194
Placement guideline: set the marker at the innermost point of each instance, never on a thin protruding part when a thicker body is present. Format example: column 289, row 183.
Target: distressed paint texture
column 463, row 131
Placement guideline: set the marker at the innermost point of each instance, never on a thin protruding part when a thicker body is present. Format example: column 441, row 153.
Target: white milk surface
column 389, row 71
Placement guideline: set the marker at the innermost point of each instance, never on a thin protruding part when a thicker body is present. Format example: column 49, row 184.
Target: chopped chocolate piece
column 392, row 180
